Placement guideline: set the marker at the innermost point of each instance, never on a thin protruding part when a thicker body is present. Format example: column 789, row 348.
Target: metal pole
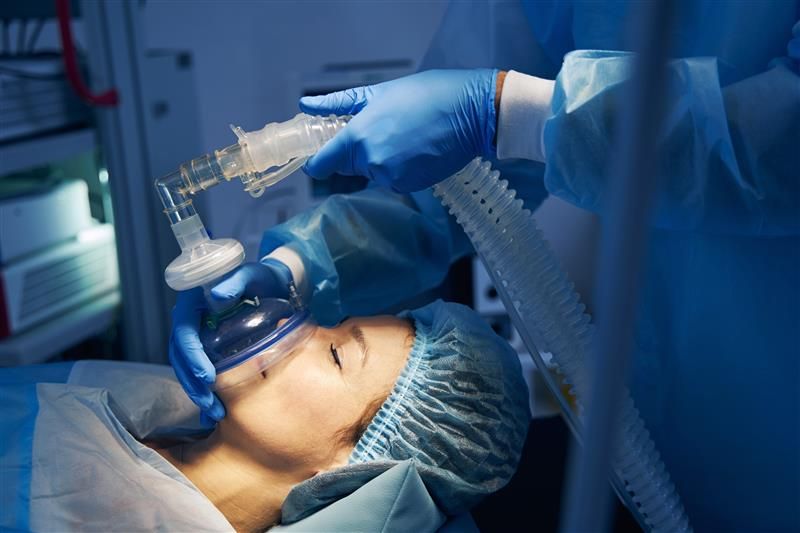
column 624, row 237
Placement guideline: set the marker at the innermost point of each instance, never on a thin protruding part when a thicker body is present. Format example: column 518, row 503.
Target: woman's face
column 296, row 416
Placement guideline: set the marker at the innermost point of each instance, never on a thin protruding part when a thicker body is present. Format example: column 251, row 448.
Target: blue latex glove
column 409, row 133
column 192, row 366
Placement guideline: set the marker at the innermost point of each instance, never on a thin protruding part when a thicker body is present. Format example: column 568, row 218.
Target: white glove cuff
column 524, row 109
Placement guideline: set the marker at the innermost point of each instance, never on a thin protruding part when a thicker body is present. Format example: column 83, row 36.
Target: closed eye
column 335, row 355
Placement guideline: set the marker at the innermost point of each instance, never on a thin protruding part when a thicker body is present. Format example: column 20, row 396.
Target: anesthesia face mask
column 253, row 335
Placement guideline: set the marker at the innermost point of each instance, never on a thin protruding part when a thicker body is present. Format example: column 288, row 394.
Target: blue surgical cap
column 459, row 408
column 459, row 411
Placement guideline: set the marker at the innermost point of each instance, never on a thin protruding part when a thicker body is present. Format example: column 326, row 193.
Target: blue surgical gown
column 716, row 370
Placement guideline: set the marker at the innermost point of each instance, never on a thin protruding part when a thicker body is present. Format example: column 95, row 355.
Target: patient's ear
column 340, row 458
column 349, row 436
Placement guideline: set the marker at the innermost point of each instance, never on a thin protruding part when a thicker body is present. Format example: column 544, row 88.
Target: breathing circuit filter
column 249, row 338
column 202, row 259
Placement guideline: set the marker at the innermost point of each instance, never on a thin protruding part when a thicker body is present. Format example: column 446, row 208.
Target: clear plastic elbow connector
column 263, row 157
column 259, row 160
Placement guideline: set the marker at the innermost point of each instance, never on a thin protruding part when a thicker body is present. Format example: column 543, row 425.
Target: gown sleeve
column 731, row 156
column 367, row 251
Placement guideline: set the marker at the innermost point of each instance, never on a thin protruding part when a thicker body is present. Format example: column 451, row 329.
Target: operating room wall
column 247, row 57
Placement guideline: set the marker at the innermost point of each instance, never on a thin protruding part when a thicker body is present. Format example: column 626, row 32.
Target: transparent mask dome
column 255, row 334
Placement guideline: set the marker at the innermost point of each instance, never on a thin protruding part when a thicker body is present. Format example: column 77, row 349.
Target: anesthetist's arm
column 360, row 253
column 731, row 154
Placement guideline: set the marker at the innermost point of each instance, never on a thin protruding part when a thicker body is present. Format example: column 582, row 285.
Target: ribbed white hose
column 549, row 316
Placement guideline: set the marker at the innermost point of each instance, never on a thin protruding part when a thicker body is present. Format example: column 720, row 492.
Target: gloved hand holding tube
column 195, row 372
column 410, row 133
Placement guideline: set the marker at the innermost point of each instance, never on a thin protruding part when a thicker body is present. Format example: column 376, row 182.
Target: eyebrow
column 358, row 335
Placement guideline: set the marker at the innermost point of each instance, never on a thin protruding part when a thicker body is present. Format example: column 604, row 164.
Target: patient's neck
column 248, row 492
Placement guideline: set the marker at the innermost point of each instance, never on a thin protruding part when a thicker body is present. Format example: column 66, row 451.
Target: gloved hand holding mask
column 410, row 133
column 193, row 368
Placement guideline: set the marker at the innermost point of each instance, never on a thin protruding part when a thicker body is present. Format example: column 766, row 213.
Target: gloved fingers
column 333, row 158
column 189, row 302
column 216, row 411
column 185, row 339
column 200, row 395
column 281, row 274
column 249, row 279
column 234, row 286
column 206, row 422
column 189, row 350
column 191, row 365
column 193, row 386
column 196, row 387
column 347, row 102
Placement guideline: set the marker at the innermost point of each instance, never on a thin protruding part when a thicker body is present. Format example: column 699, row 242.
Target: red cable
column 108, row 98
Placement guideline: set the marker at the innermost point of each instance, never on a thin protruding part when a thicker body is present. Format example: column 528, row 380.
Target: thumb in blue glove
column 410, row 133
column 194, row 370
column 269, row 277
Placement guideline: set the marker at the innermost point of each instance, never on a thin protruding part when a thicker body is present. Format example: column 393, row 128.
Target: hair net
column 459, row 411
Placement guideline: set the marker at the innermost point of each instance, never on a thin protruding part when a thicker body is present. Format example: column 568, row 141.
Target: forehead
column 389, row 333
column 388, row 340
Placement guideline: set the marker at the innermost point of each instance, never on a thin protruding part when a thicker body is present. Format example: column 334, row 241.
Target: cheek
column 295, row 413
